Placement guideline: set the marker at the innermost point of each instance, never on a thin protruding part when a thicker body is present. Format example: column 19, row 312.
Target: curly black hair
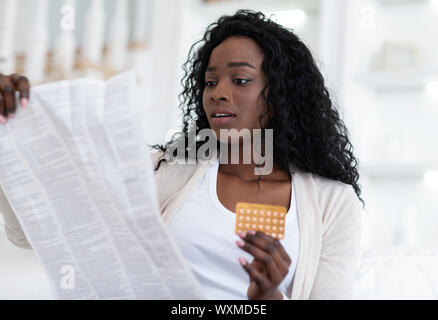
column 308, row 131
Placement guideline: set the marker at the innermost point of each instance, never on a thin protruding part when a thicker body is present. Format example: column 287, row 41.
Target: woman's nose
column 220, row 93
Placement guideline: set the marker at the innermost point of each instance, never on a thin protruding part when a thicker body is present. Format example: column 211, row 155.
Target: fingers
column 267, row 251
column 255, row 276
column 2, row 109
column 8, row 86
column 7, row 100
column 273, row 246
column 275, row 275
column 23, row 86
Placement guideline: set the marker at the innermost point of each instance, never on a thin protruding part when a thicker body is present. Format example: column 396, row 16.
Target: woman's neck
column 245, row 168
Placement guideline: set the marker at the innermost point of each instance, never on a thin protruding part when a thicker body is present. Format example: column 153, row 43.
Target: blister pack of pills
column 260, row 217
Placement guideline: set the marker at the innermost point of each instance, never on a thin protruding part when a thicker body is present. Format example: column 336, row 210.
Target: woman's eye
column 209, row 83
column 241, row 81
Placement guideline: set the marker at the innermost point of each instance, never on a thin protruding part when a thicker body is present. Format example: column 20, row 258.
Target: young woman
column 251, row 73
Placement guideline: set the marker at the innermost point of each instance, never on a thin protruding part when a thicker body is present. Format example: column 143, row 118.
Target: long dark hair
column 308, row 131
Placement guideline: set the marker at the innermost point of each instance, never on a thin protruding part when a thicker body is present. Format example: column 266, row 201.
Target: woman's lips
column 221, row 116
column 223, row 120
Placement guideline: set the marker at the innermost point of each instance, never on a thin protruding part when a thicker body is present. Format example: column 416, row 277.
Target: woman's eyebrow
column 232, row 65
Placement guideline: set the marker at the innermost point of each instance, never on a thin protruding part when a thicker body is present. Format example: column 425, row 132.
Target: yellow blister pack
column 260, row 217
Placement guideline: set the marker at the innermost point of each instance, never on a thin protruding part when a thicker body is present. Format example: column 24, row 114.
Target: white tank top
column 204, row 231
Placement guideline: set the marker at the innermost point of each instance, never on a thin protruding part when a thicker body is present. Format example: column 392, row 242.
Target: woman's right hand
column 8, row 86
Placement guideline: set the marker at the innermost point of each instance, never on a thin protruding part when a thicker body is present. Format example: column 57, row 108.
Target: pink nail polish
column 23, row 102
column 3, row 120
column 11, row 116
column 242, row 261
column 252, row 232
column 240, row 243
column 242, row 234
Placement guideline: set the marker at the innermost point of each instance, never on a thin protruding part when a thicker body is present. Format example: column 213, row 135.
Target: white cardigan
column 329, row 217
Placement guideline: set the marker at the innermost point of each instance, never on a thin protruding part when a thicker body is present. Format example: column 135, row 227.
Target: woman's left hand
column 268, row 268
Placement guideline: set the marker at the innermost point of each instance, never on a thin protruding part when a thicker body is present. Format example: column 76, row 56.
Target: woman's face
column 233, row 83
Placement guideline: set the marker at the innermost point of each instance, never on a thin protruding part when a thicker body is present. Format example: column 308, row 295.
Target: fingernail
column 11, row 116
column 23, row 102
column 3, row 120
column 240, row 243
column 242, row 261
column 252, row 232
column 241, row 234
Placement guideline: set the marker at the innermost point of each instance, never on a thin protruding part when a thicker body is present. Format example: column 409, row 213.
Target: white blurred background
column 379, row 60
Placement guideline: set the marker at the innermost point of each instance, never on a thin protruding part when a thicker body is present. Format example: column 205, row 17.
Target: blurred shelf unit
column 397, row 80
column 398, row 171
column 80, row 63
column 399, row 64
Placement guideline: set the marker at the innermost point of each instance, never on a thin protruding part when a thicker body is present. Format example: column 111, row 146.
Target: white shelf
column 409, row 79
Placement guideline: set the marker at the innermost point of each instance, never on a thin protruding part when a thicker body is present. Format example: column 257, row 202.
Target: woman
column 250, row 73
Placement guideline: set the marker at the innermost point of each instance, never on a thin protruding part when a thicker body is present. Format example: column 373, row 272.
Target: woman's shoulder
column 334, row 202
column 320, row 184
column 170, row 178
column 332, row 195
column 329, row 185
column 164, row 170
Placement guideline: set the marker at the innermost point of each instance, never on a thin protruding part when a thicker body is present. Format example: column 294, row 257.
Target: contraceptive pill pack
column 260, row 217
